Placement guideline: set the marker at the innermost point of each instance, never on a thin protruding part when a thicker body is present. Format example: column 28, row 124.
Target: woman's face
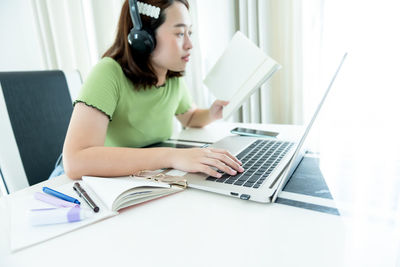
column 173, row 40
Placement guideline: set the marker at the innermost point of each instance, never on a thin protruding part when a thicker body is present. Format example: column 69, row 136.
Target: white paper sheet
column 23, row 235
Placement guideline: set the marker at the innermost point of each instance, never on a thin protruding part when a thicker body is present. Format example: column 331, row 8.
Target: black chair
column 35, row 109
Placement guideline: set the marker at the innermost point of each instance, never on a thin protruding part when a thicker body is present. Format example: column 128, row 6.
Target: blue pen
column 60, row 195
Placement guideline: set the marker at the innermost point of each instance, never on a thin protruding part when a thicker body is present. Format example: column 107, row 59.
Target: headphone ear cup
column 141, row 41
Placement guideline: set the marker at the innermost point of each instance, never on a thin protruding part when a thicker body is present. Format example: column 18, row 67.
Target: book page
column 238, row 62
column 261, row 75
column 241, row 69
column 109, row 189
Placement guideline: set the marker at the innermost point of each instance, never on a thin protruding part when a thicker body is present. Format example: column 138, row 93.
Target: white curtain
column 74, row 34
column 276, row 27
column 194, row 72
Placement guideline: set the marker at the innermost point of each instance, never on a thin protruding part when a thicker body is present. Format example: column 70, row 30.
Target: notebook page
column 153, row 195
column 108, row 189
column 238, row 62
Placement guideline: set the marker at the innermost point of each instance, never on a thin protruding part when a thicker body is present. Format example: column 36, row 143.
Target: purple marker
column 60, row 215
column 54, row 200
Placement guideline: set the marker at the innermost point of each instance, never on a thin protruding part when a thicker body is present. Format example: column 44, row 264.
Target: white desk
column 196, row 228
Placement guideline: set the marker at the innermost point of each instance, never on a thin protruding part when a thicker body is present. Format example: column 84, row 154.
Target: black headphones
column 141, row 40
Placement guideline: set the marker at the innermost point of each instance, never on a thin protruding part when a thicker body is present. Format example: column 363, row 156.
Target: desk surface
column 196, row 228
column 192, row 228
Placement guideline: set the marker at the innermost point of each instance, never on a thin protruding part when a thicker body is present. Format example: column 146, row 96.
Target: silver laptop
column 268, row 163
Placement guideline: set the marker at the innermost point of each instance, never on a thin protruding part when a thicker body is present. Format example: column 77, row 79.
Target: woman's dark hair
column 137, row 67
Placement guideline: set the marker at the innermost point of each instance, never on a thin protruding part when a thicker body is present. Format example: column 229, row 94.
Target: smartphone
column 253, row 132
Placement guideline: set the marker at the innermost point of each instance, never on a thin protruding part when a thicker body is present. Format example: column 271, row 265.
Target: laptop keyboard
column 259, row 160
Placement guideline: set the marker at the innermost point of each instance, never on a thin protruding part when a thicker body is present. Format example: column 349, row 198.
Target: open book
column 122, row 192
column 110, row 194
column 241, row 69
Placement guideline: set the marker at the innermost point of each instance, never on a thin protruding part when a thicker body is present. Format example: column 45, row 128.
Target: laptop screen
column 291, row 164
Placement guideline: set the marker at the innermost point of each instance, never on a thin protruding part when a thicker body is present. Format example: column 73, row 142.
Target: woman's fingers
column 225, row 152
column 227, row 157
column 209, row 171
column 219, row 165
column 206, row 160
column 222, row 102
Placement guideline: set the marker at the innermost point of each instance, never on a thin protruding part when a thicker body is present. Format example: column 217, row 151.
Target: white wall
column 19, row 45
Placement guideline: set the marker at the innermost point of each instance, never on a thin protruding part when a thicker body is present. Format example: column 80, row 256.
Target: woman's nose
column 188, row 43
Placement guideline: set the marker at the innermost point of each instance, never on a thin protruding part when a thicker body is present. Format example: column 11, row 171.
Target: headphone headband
column 134, row 11
column 140, row 39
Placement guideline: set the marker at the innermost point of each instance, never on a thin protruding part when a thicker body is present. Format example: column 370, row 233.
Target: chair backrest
column 35, row 109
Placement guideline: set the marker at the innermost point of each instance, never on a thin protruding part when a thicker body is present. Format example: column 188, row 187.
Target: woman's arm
column 196, row 117
column 84, row 152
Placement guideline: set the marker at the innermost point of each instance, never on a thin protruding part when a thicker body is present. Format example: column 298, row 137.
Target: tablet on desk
column 177, row 144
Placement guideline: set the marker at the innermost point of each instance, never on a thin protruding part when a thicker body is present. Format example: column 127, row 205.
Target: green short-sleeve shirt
column 137, row 118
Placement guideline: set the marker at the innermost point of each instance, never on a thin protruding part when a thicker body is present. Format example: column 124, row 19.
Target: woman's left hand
column 216, row 109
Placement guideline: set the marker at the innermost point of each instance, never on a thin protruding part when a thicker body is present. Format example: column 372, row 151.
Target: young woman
column 128, row 101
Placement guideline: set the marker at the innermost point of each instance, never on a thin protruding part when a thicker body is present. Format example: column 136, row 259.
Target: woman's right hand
column 203, row 159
